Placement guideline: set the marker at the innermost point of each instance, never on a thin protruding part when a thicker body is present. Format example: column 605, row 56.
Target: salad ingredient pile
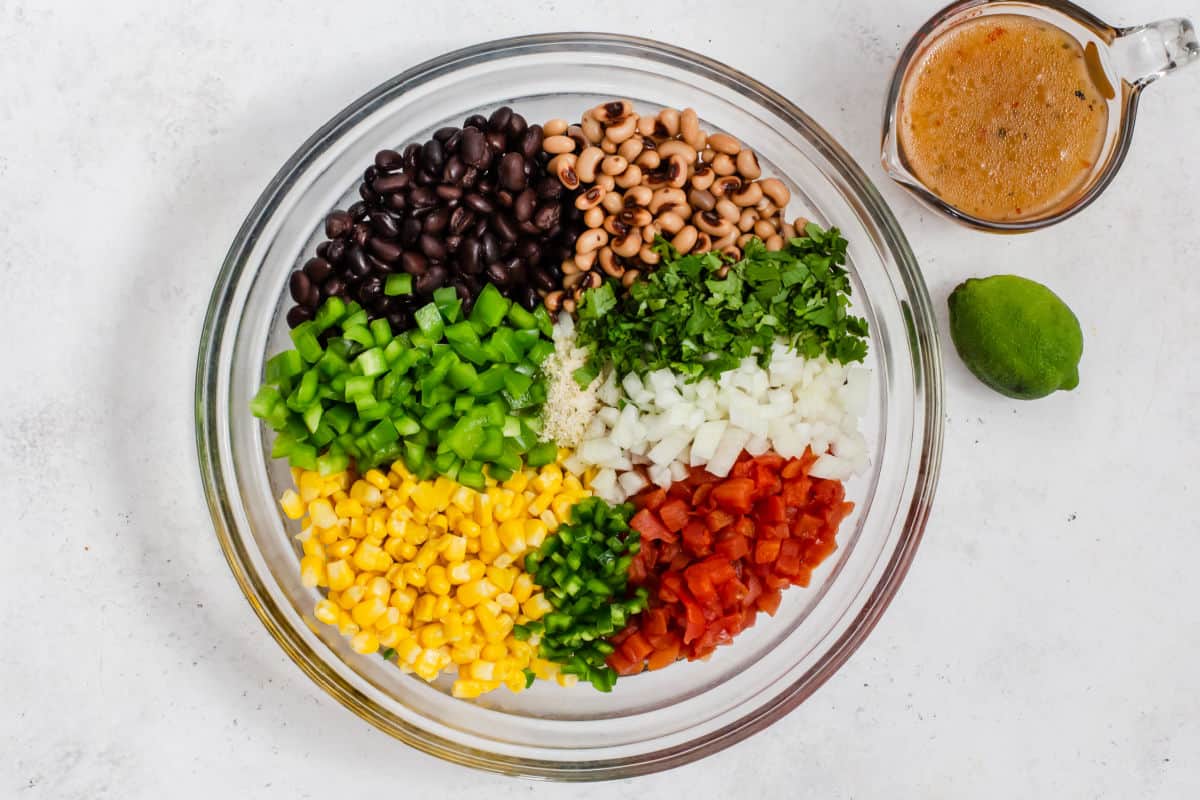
column 524, row 448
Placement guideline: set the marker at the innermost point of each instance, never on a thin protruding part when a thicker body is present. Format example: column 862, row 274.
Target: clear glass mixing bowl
column 652, row 721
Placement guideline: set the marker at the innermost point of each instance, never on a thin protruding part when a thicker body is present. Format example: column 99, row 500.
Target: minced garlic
column 568, row 409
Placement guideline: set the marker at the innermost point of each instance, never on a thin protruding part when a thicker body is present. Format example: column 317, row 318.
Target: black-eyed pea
column 744, row 240
column 631, row 177
column 584, row 261
column 775, row 189
column 689, row 129
column 645, row 126
column 702, row 200
column 631, row 148
column 553, row 300
column 703, row 243
column 586, row 163
column 569, row 305
column 592, row 281
column 613, row 165
column 607, row 181
column 639, row 196
column 651, row 232
column 608, row 263
column 785, row 229
column 748, row 195
column 669, row 119
column 665, row 196
column 765, row 208
column 774, row 243
column 555, row 127
column 730, row 251
column 727, row 185
column 631, row 275
column 677, row 171
column 800, row 223
column 728, row 209
column 594, row 216
column 707, row 155
column 647, row 255
column 571, row 281
column 591, row 198
column 712, row 224
column 724, row 143
column 592, row 129
column 591, row 240
column 682, row 209
column 685, row 239
column 723, row 164
column 764, row 230
column 747, row 165
column 628, row 245
column 723, row 270
column 556, row 145
column 615, row 227
column 656, row 178
column 703, row 177
column 671, row 222
column 635, row 217
column 612, row 202
column 621, row 131
column 564, row 167
column 569, row 267
column 674, row 146
column 613, row 111
column 746, row 222
column 608, row 147
column 575, row 134
column 727, row 240
column 648, row 159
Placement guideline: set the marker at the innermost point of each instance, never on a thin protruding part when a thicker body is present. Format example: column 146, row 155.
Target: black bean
column 356, row 262
column 411, row 154
column 529, row 250
column 360, row 233
column 469, row 178
column 385, row 224
column 435, row 278
column 422, row 197
column 370, row 174
column 335, row 286
column 448, row 192
column 437, row 221
column 398, row 320
column 397, row 201
column 531, row 142
column 432, row 247
column 478, row 203
column 433, row 156
column 371, row 289
column 516, row 127
column 462, row 290
column 474, row 147
column 442, row 134
column 410, row 231
column 478, row 121
column 470, row 256
column 512, row 172
column 451, row 143
column 504, row 198
column 515, row 267
column 454, row 170
column 460, row 219
column 504, row 227
column 413, row 263
column 486, row 184
column 388, row 160
column 384, row 250
column 528, row 228
column 318, row 269
column 298, row 285
column 497, row 274
column 357, row 210
column 543, row 280
column 323, row 250
column 368, row 194
column 549, row 188
column 337, row 224
column 453, row 242
column 387, row 184
column 497, row 141
column 378, row 266
column 336, row 251
column 298, row 314
column 490, row 245
column 499, row 118
column 528, row 298
column 546, row 215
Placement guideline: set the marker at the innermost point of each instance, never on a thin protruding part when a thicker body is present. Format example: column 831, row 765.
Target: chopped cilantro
column 687, row 318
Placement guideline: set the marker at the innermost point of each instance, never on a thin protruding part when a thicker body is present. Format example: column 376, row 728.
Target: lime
column 1016, row 336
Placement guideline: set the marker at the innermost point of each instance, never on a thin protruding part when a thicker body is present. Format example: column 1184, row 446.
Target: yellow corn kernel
column 546, row 670
column 349, row 508
column 468, row 689
column 390, row 618
column 515, row 682
column 482, row 670
column 358, row 527
column 489, row 540
column 408, row 650
column 464, row 654
column 366, row 493
column 312, row 571
column 537, row 606
column 550, row 519
column 368, row 612
column 483, row 510
column 475, row 592
column 414, row 576
column 352, row 597
column 561, row 506
column 393, row 636
column 423, row 611
column 503, row 578
column 548, row 476
column 472, row 546
column 328, row 535
column 442, row 606
column 517, row 482
column 458, row 573
column 395, row 575
column 507, row 602
column 512, row 536
column 522, row 587
column 365, row 642
column 311, row 545
column 311, row 485
column 321, row 513
column 377, row 479
column 407, row 552
column 469, row 528
column 404, row 599
column 535, row 533
column 504, row 560
column 541, row 503
column 478, row 568
column 327, row 612
column 291, row 504
column 468, row 616
column 452, row 627
column 436, row 580
column 571, row 484
column 566, row 680
column 493, row 651
column 455, row 548
column 340, row 575
column 347, row 626
column 426, row 556
column 366, row 554
column 521, row 651
column 343, row 548
column 432, row 635
column 379, row 587
column 362, row 579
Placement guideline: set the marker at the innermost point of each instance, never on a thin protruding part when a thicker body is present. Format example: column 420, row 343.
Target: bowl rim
column 927, row 370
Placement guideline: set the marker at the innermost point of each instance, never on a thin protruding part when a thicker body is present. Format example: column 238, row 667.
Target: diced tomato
column 788, row 562
column 623, row 664
column 743, row 526
column 735, row 494
column 766, row 551
column 651, row 499
column 795, row 493
column 646, row 523
column 654, row 621
column 771, row 509
column 744, row 468
column 674, row 515
column 732, row 593
column 769, row 602
column 732, row 546
column 697, row 539
column 773, row 582
column 827, row 492
column 718, row 519
column 695, row 622
column 664, row 656
column 807, row 526
column 636, row 648
column 700, row 496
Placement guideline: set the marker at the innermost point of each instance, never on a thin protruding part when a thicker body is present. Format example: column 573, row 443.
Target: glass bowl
column 655, row 720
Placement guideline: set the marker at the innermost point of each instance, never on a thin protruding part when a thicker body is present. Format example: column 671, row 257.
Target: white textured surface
column 1044, row 644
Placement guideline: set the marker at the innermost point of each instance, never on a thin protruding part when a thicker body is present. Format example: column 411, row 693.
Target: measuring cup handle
column 1145, row 53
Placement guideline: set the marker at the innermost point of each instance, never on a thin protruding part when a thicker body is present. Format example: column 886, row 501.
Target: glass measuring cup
column 1130, row 59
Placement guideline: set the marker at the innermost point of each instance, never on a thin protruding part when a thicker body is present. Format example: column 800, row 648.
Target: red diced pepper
column 696, row 538
column 732, row 546
column 674, row 515
column 718, row 519
column 766, row 551
column 700, row 496
column 651, row 499
column 665, row 655
column 636, row 648
column 735, row 494
column 769, row 602
column 771, row 509
column 646, row 523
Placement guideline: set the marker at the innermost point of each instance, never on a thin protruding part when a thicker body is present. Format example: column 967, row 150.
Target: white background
column 1044, row 645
